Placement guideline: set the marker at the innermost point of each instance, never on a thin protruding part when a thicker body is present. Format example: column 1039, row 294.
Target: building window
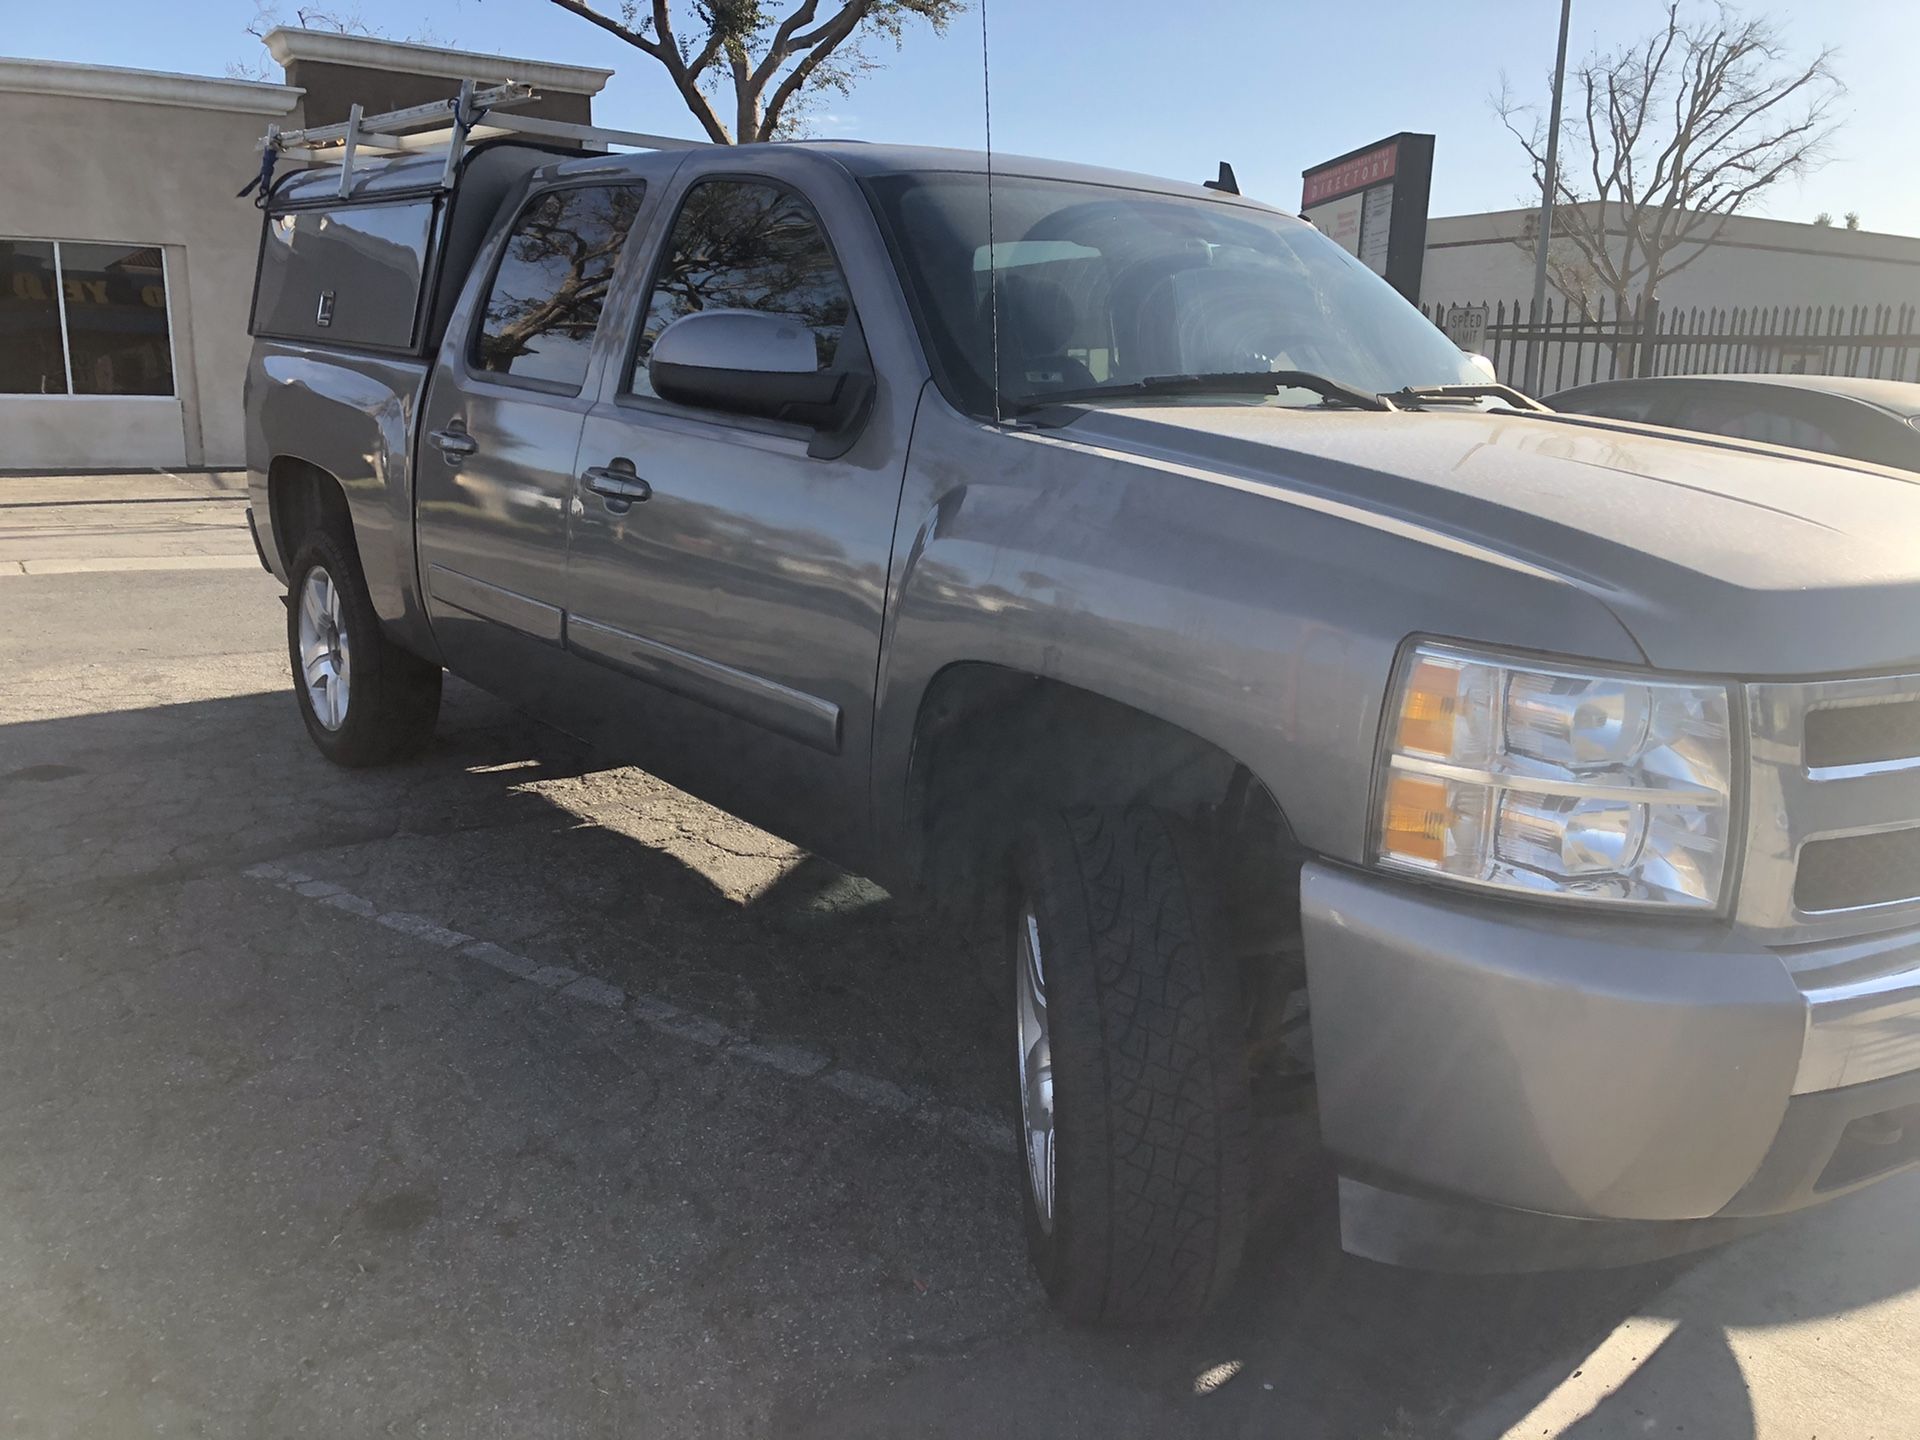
column 80, row 318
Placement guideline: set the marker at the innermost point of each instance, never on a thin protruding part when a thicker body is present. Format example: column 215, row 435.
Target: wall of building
column 144, row 172
column 1475, row 258
column 339, row 71
column 333, row 90
column 148, row 158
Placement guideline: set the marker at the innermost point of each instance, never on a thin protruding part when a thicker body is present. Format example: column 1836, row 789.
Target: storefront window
column 83, row 319
column 32, row 359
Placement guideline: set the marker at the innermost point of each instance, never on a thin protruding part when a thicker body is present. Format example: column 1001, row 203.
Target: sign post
column 1373, row 203
column 1549, row 183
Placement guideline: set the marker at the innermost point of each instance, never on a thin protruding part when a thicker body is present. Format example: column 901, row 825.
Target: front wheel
column 1132, row 1074
column 363, row 698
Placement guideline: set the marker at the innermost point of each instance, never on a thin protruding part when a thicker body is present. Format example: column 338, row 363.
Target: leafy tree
column 775, row 65
column 1664, row 139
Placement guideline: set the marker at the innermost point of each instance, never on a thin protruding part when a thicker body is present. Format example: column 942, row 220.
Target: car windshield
column 1099, row 286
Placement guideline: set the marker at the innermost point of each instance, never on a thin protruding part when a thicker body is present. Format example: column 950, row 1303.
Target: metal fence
column 1580, row 344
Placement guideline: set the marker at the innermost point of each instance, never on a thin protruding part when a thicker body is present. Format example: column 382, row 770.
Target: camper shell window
column 346, row 274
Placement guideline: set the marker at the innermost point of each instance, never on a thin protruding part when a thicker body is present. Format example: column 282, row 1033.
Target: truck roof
column 862, row 159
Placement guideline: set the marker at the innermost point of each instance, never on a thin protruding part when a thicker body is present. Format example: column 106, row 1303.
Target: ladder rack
column 474, row 114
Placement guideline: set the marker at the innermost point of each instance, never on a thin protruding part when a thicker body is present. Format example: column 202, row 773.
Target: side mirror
column 747, row 362
column 1483, row 365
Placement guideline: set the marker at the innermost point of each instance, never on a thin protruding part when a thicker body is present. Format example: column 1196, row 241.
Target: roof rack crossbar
column 564, row 130
column 394, row 121
column 474, row 113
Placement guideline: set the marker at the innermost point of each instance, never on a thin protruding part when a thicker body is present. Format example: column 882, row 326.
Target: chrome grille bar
column 1794, row 804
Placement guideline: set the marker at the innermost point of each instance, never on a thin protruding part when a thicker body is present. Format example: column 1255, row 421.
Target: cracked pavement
column 269, row 1168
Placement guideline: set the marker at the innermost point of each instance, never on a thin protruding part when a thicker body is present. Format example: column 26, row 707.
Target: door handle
column 454, row 442
column 617, row 484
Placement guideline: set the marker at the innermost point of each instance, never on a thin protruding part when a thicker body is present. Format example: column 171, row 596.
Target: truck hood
column 1718, row 556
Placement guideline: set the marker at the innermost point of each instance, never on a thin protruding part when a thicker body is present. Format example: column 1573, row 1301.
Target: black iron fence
column 1599, row 340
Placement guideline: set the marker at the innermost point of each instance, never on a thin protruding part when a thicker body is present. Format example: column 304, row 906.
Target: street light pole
column 1549, row 181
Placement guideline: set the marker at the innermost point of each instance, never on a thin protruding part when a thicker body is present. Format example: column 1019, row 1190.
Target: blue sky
column 1165, row 86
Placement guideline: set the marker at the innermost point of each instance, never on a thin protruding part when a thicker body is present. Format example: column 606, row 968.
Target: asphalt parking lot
column 501, row 1094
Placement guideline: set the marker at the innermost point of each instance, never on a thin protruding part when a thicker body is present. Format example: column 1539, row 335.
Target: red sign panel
column 1375, row 167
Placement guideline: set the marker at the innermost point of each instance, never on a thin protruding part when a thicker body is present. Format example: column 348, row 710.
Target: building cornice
column 287, row 44
column 146, row 87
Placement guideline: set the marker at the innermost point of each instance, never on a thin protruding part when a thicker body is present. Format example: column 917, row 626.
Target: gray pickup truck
column 1127, row 558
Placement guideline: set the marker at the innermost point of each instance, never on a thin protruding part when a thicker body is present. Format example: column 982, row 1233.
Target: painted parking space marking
column 801, row 1062
column 128, row 564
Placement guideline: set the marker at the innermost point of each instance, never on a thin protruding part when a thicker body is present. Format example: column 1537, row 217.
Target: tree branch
column 784, row 44
column 770, row 64
column 612, row 26
column 830, row 35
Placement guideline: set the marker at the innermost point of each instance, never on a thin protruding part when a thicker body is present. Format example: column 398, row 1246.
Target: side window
column 1616, row 405
column 547, row 295
column 743, row 245
column 1797, row 431
column 1748, row 420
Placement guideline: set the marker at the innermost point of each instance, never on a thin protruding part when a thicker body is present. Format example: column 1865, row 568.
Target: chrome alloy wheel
column 1036, row 1067
column 326, row 661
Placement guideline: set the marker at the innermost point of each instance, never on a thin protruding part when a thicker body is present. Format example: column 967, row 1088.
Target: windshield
column 1100, row 286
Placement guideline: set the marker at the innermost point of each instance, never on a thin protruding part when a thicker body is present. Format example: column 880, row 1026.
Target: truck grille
column 1853, row 871
column 1863, row 734
column 1833, row 834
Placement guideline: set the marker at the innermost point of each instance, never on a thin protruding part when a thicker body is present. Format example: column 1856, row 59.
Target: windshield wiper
column 1488, row 390
column 1230, row 382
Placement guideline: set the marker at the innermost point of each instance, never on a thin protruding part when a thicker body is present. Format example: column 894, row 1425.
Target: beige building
column 1488, row 258
column 127, row 262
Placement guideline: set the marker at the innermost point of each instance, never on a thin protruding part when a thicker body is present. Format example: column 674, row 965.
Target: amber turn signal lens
column 1418, row 815
column 1428, row 708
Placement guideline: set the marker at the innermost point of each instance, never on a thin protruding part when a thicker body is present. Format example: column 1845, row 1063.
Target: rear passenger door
column 732, row 616
column 494, row 469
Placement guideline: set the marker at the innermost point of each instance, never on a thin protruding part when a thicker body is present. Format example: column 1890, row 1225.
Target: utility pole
column 1535, row 350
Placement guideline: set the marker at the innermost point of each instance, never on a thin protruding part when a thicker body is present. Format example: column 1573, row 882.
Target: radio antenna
column 993, row 258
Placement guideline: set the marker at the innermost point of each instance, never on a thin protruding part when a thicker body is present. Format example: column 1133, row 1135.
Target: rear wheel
column 363, row 698
column 1132, row 1077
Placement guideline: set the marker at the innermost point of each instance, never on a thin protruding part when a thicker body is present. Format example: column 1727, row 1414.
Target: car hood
column 1719, row 557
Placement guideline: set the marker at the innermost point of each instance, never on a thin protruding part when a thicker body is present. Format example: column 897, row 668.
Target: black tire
column 1149, row 1068
column 393, row 698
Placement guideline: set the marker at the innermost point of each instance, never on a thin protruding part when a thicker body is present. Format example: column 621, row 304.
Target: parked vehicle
column 1128, row 558
column 1872, row 420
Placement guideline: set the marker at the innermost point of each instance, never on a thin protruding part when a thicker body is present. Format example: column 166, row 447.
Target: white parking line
column 124, row 564
column 798, row 1061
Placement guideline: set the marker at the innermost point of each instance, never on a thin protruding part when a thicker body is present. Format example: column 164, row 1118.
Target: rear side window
column 348, row 275
column 1609, row 404
column 745, row 245
column 545, row 301
column 1755, row 420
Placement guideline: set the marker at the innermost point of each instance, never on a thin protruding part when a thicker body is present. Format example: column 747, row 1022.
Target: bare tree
column 1665, row 139
column 775, row 67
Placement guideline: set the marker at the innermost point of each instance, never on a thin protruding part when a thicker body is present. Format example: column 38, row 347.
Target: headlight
column 1567, row 783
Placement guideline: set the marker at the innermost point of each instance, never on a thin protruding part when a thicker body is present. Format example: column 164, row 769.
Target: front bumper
column 1476, row 1058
